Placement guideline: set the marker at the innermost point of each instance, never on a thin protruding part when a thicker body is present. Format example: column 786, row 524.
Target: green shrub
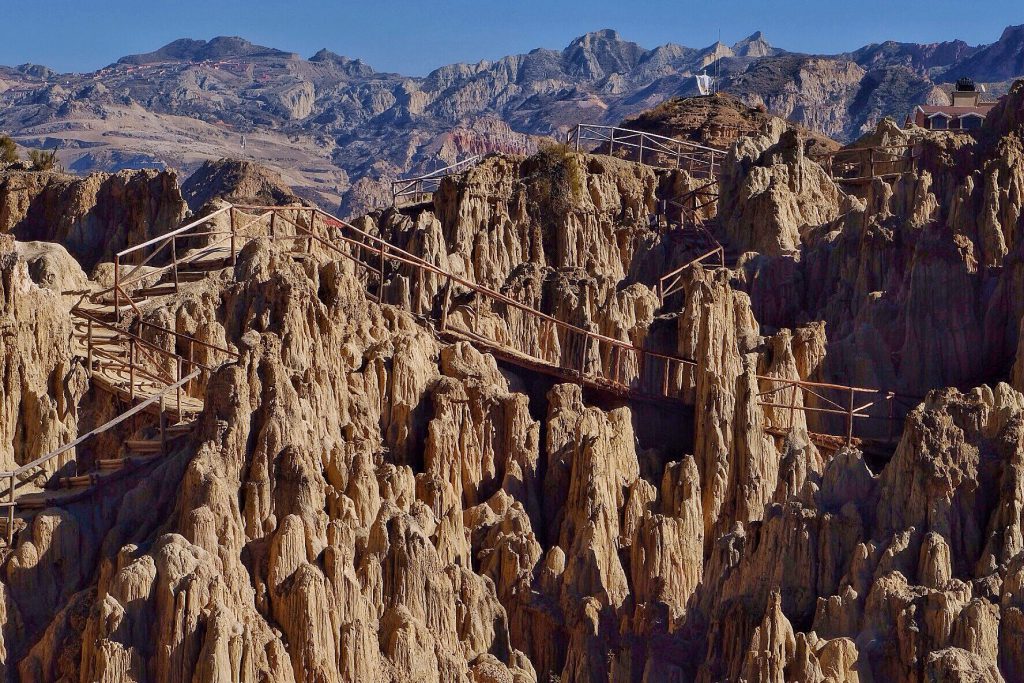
column 42, row 160
column 556, row 181
column 8, row 150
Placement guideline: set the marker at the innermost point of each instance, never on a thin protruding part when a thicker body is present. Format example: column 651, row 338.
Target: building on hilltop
column 966, row 112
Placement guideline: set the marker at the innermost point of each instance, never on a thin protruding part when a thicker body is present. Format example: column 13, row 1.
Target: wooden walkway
column 163, row 384
column 862, row 165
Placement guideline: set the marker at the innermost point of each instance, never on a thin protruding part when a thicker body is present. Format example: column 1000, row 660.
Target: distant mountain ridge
column 188, row 50
column 338, row 131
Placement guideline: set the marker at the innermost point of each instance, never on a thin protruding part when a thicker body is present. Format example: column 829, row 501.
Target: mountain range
column 338, row 131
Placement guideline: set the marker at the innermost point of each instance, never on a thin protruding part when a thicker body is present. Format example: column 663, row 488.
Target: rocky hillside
column 333, row 127
column 409, row 471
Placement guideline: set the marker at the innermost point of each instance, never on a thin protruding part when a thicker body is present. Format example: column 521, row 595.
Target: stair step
column 201, row 265
column 80, row 481
column 107, row 464
column 144, row 445
column 192, row 275
column 179, row 429
column 158, row 290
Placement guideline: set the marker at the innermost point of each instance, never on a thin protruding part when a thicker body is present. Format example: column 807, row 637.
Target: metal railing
column 141, row 358
column 217, row 244
column 421, row 188
column 11, row 476
column 554, row 346
column 863, row 164
column 699, row 161
column 563, row 348
column 523, row 335
column 688, row 212
column 672, row 282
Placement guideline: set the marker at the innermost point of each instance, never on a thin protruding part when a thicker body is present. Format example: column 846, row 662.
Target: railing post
column 792, row 405
column 641, row 156
column 88, row 345
column 445, row 304
column 131, row 368
column 117, row 287
column 583, row 355
column 849, row 420
column 312, row 224
column 579, row 127
column 231, row 213
column 419, row 289
column 191, row 365
column 273, row 231
column 174, row 260
column 380, row 292
column 163, row 427
column 177, row 381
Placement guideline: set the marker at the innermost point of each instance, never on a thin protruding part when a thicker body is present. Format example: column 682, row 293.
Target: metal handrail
column 383, row 250
column 706, row 158
column 169, row 239
column 12, row 475
column 173, row 233
column 412, row 187
column 155, row 398
column 840, row 161
column 358, row 243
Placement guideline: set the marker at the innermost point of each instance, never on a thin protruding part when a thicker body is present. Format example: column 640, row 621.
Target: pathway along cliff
column 413, row 447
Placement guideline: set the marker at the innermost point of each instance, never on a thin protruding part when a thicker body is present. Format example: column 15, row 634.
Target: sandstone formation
column 242, row 182
column 92, row 217
column 369, row 497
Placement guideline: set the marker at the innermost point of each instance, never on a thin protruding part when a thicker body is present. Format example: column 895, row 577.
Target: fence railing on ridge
column 863, row 164
column 420, row 188
column 700, row 161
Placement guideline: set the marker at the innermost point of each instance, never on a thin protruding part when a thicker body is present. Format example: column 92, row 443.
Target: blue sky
column 415, row 37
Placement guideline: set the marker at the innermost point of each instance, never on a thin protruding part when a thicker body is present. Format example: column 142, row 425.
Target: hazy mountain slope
column 329, row 124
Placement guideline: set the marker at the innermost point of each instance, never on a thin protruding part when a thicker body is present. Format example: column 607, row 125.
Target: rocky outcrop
column 92, row 217
column 42, row 382
column 236, row 181
column 771, row 193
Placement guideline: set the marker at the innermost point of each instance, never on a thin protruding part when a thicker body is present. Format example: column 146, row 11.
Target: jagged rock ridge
column 365, row 501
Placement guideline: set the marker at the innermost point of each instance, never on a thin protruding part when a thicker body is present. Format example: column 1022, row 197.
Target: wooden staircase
column 24, row 497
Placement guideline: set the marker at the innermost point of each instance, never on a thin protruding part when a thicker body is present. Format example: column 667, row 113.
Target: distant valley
column 338, row 131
